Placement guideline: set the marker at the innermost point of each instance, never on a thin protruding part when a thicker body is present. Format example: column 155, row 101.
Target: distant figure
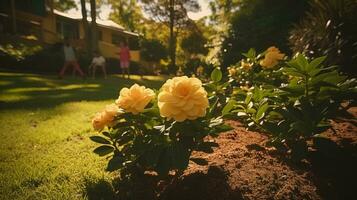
column 98, row 61
column 124, row 59
column 69, row 59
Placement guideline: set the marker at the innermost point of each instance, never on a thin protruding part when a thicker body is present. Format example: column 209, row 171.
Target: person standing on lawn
column 69, row 59
column 98, row 61
column 124, row 59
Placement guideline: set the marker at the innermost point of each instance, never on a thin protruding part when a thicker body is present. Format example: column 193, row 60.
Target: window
column 67, row 28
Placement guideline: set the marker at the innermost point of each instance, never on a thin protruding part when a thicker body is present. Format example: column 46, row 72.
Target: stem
column 307, row 86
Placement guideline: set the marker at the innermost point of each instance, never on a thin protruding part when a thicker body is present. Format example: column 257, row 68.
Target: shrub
column 308, row 96
column 145, row 130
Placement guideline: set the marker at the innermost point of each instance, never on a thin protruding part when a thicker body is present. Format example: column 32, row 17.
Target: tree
column 85, row 25
column 173, row 13
column 90, row 32
column 93, row 13
column 127, row 13
column 194, row 43
column 64, row 5
column 260, row 24
column 153, row 50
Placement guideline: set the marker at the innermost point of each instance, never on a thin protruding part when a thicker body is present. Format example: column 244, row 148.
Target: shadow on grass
column 28, row 91
column 101, row 190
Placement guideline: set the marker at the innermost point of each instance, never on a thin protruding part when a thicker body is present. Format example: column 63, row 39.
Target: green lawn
column 45, row 124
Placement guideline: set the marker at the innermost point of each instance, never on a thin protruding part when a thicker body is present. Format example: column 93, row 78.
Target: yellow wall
column 49, row 34
column 110, row 50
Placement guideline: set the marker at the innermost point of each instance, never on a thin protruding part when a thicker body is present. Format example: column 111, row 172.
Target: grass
column 45, row 124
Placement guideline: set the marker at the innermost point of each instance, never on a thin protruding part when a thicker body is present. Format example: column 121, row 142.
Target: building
column 38, row 19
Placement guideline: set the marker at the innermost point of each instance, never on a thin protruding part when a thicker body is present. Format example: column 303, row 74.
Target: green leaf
column 302, row 62
column 216, row 75
column 103, row 150
column 228, row 107
column 115, row 163
column 125, row 138
column 164, row 163
column 180, row 156
column 316, row 62
column 250, row 54
column 99, row 139
column 222, row 128
column 292, row 72
column 152, row 156
column 261, row 111
column 106, row 134
column 248, row 98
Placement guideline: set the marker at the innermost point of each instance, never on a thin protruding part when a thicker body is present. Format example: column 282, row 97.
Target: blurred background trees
column 329, row 27
column 260, row 24
column 312, row 27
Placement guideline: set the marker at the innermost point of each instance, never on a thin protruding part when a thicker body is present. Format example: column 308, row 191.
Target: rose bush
column 293, row 101
column 158, row 132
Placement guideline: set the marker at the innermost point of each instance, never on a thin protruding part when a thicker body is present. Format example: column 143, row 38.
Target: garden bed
column 244, row 167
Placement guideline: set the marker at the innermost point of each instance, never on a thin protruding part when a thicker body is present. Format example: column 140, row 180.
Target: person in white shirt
column 97, row 61
column 69, row 59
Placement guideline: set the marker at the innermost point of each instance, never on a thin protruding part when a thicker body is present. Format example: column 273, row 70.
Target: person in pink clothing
column 124, row 56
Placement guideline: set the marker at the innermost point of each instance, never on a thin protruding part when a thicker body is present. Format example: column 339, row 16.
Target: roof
column 101, row 22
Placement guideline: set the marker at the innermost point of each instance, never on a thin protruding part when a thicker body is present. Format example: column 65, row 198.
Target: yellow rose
column 183, row 98
column 135, row 98
column 106, row 117
column 232, row 71
column 98, row 121
column 272, row 57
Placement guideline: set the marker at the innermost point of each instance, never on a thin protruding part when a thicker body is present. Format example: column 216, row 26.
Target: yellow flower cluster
column 246, row 65
column 106, row 117
column 180, row 98
column 135, row 98
column 183, row 98
column 272, row 57
column 232, row 71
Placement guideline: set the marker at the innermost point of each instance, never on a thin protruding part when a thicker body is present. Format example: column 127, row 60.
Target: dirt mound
column 243, row 167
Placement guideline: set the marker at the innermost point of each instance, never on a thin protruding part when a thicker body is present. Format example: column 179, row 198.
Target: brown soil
column 243, row 167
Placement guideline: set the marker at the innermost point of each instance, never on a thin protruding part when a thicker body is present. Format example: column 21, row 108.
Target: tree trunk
column 86, row 27
column 172, row 45
column 13, row 16
column 93, row 13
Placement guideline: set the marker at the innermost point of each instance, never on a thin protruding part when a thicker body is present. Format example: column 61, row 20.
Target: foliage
column 259, row 23
column 328, row 28
column 19, row 51
column 194, row 43
column 147, row 141
column 64, row 5
column 127, row 13
column 174, row 14
column 152, row 50
column 297, row 106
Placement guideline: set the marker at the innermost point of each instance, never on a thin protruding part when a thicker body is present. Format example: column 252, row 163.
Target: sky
column 105, row 10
